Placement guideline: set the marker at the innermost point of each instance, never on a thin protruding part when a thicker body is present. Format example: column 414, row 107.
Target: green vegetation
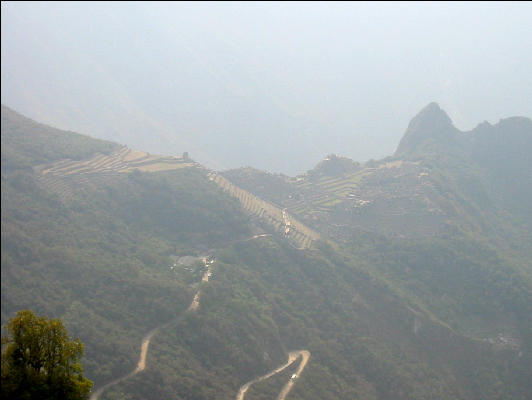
column 420, row 290
column 26, row 143
column 40, row 361
column 101, row 260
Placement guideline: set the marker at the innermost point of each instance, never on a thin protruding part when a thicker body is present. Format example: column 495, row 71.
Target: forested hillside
column 100, row 259
column 446, row 220
column 419, row 286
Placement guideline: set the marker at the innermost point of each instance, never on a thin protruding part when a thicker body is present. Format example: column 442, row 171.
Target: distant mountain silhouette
column 430, row 127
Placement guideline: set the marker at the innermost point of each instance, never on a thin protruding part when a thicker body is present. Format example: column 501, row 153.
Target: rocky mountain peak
column 430, row 126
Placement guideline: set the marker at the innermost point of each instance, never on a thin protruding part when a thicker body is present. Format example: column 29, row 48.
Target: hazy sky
column 272, row 85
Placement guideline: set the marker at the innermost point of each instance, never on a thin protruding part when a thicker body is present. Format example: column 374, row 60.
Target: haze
column 276, row 86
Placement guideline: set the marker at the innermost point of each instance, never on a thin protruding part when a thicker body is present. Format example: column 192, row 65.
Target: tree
column 40, row 361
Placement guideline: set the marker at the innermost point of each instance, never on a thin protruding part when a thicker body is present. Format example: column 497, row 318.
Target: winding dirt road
column 205, row 278
column 286, row 388
column 292, row 356
column 141, row 365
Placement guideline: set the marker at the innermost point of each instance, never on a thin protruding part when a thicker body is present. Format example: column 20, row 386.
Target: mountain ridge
column 408, row 295
column 432, row 132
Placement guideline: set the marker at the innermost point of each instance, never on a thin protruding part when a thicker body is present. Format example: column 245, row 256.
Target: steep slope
column 26, row 142
column 382, row 315
column 491, row 164
column 439, row 180
column 292, row 229
column 96, row 251
column 447, row 220
column 430, row 131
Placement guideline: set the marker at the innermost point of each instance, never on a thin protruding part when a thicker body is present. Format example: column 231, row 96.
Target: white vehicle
column 294, row 376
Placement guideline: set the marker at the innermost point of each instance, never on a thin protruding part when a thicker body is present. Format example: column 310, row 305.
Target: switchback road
column 292, row 356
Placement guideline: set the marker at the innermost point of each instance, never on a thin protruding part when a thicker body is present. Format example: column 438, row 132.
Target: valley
column 390, row 272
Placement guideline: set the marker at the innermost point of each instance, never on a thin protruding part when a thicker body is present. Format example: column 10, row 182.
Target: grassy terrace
column 65, row 177
column 301, row 235
column 123, row 160
column 326, row 192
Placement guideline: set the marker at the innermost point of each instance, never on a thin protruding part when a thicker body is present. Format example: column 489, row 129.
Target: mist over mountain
column 271, row 87
column 431, row 127
column 407, row 277
column 272, row 200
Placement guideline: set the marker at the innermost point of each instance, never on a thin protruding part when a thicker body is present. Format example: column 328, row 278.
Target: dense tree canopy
column 399, row 310
column 40, row 361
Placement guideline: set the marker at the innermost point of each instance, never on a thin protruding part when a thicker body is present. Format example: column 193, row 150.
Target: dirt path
column 292, row 356
column 286, row 389
column 205, row 278
column 141, row 365
column 144, row 351
column 259, row 236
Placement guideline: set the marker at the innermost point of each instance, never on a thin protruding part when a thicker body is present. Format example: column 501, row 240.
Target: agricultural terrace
column 123, row 160
column 281, row 221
